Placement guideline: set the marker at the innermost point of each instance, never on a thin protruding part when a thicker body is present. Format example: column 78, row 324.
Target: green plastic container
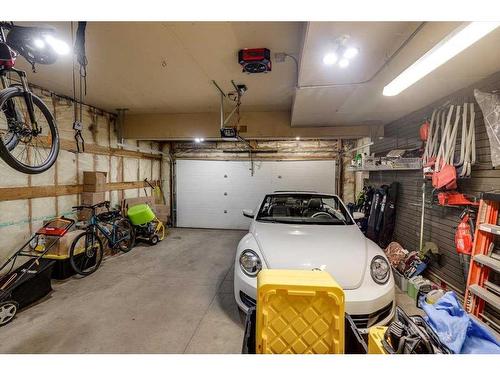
column 140, row 214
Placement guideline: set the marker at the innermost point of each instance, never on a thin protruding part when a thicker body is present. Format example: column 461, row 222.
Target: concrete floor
column 176, row 297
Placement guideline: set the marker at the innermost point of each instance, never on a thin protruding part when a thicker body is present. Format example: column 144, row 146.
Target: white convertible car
column 305, row 230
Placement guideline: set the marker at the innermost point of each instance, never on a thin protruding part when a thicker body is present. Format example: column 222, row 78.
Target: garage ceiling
column 347, row 104
column 167, row 67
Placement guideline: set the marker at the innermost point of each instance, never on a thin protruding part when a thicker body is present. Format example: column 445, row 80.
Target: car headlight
column 250, row 263
column 380, row 270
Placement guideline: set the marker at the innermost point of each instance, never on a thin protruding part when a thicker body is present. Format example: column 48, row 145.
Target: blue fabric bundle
column 456, row 329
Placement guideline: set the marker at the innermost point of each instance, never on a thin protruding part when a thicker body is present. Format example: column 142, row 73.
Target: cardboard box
column 129, row 202
column 94, row 178
column 162, row 212
column 89, row 199
column 94, row 181
column 62, row 247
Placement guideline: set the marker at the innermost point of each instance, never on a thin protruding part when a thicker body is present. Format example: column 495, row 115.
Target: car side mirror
column 248, row 213
column 358, row 216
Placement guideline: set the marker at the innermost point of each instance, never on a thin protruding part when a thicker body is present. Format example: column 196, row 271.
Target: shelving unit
column 384, row 168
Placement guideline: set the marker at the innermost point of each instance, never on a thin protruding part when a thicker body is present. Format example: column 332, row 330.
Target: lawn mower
column 30, row 281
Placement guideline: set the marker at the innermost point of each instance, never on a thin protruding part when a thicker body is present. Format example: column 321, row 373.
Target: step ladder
column 480, row 290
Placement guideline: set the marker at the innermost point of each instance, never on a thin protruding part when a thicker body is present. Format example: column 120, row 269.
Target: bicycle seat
column 32, row 43
column 7, row 56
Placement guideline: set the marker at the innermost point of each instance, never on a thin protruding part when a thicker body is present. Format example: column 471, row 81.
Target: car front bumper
column 370, row 304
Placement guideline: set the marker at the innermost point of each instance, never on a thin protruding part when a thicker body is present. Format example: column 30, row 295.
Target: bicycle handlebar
column 101, row 204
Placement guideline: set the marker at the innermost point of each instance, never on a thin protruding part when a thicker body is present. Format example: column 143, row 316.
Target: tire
column 8, row 310
column 124, row 227
column 8, row 137
column 80, row 260
column 154, row 240
column 30, row 142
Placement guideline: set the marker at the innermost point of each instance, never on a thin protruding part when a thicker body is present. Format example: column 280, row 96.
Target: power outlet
column 279, row 57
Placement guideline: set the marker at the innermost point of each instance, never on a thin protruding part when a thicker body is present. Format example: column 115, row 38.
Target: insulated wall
column 26, row 201
column 440, row 222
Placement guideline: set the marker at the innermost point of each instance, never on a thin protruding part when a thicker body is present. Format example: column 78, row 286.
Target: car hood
column 339, row 249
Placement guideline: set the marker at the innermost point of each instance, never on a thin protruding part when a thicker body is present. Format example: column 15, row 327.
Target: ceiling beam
column 259, row 125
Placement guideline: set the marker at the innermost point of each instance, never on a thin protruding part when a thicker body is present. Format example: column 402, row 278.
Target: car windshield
column 303, row 209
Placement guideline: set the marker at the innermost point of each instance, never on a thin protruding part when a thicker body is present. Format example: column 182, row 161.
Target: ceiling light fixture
column 351, row 52
column 343, row 50
column 60, row 46
column 344, row 63
column 450, row 46
column 40, row 44
column 330, row 58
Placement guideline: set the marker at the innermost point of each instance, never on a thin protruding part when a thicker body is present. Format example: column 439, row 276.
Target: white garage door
column 212, row 194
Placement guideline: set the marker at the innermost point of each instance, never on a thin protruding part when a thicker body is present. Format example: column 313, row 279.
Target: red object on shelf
column 424, row 131
column 446, row 178
column 454, row 199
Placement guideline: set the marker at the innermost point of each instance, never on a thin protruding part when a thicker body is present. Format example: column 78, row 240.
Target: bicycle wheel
column 124, row 229
column 86, row 253
column 27, row 148
column 7, row 135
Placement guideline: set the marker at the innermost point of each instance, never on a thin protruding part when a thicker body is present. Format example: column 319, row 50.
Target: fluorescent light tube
column 450, row 46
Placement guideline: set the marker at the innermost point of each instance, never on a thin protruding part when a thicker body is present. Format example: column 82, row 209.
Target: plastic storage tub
column 354, row 341
column 140, row 214
column 299, row 312
column 415, row 284
column 401, row 280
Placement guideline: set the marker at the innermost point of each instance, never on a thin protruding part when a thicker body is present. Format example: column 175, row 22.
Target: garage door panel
column 217, row 218
column 212, row 194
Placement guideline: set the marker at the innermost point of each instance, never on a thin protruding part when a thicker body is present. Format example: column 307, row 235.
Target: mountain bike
column 87, row 249
column 29, row 140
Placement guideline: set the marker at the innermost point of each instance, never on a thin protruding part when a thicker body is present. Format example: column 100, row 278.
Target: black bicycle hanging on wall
column 28, row 132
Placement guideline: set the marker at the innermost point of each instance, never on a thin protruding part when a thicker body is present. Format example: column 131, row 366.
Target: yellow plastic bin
column 299, row 312
column 375, row 336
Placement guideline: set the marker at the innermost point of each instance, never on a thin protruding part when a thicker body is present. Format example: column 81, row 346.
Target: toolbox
column 299, row 311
